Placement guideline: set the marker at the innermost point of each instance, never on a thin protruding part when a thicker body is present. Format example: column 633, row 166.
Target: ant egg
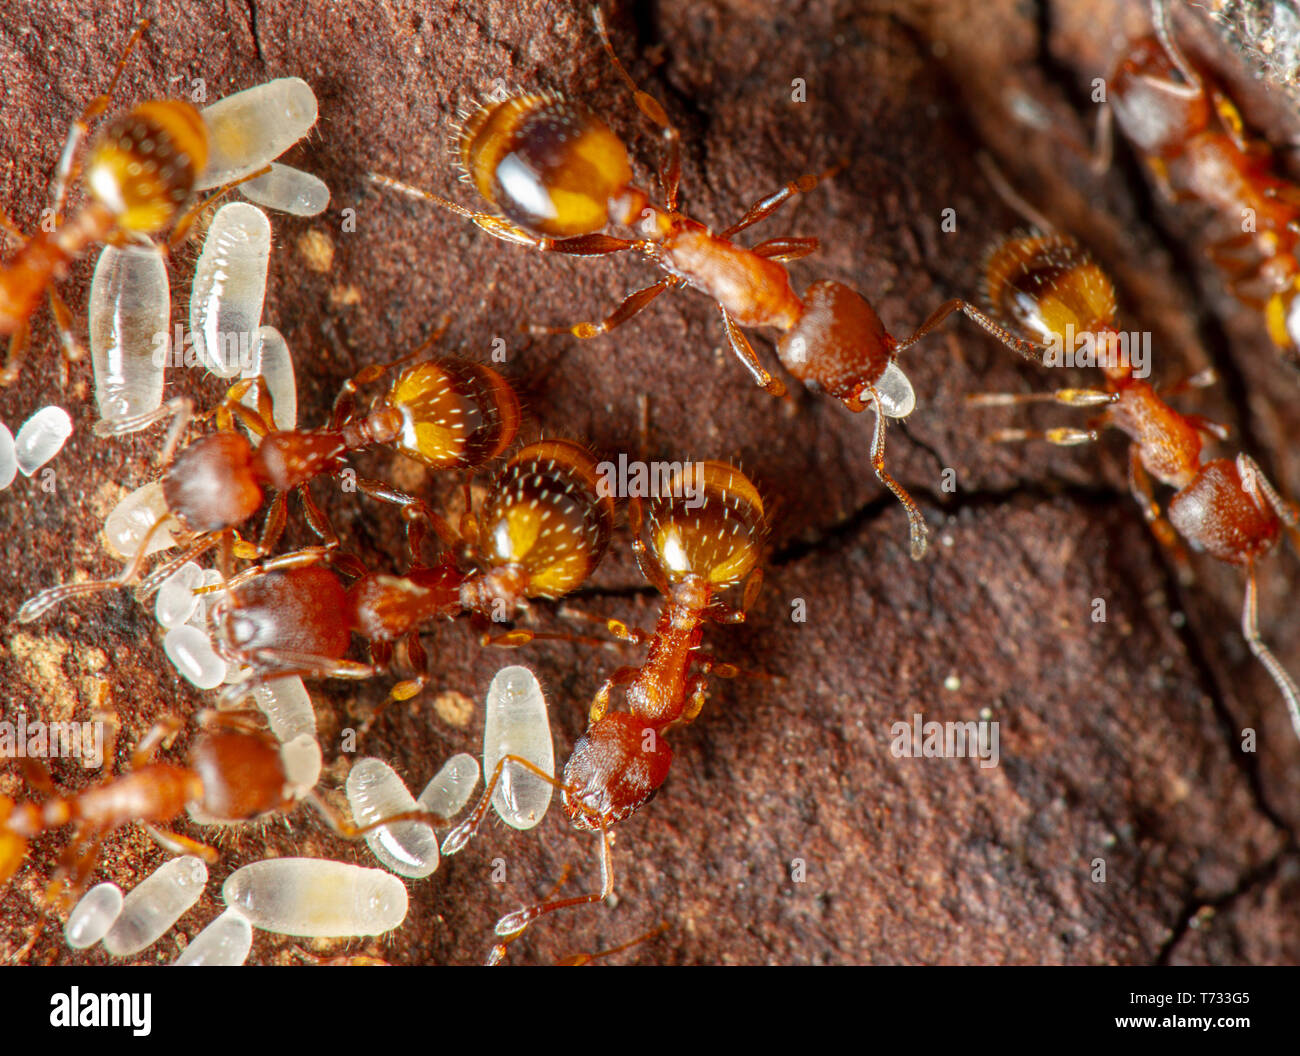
column 408, row 848
column 516, row 723
column 246, row 130
column 129, row 311
column 897, row 397
column 130, row 520
column 190, row 650
column 225, row 943
column 92, row 916
column 271, row 359
column 289, row 190
column 317, row 898
column 287, row 707
column 41, row 438
column 229, row 288
column 155, row 904
column 451, row 786
column 177, row 603
column 8, row 458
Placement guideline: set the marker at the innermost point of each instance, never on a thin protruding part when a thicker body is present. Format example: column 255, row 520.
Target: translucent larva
column 177, row 603
column 155, row 904
column 129, row 312
column 226, row 941
column 190, row 650
column 250, row 128
column 8, row 458
column 516, row 723
column 271, row 359
column 316, row 897
column 451, row 786
column 130, row 520
column 230, row 287
column 41, row 437
column 375, row 791
column 92, row 916
column 289, row 190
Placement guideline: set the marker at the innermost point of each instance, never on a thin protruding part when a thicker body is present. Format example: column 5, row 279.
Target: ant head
column 708, row 528
column 616, row 768
column 1049, row 288
column 292, row 610
column 455, row 414
column 240, row 774
column 548, row 165
column 839, row 344
column 143, row 164
column 1154, row 105
column 548, row 515
column 211, row 484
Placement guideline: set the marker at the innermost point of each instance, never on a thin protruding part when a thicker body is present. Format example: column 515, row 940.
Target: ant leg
column 273, row 526
column 160, row 735
column 518, row 636
column 1143, row 492
column 1002, row 186
column 156, row 578
column 670, row 173
column 634, row 303
column 416, row 513
column 915, row 522
column 1031, row 351
column 272, row 664
column 1250, row 631
column 1069, row 397
column 181, row 229
column 464, row 832
column 419, row 661
column 1263, row 491
column 766, row 206
column 18, row 342
column 784, row 250
column 497, row 227
column 68, row 344
column 317, row 520
column 600, row 702
column 1202, row 379
column 175, row 843
column 1164, row 33
column 179, row 408
column 745, row 353
column 512, row 924
column 307, row 555
column 1061, row 436
column 63, row 175
column 581, row 960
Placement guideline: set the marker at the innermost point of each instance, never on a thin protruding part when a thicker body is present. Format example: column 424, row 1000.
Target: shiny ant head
column 548, row 519
column 212, row 484
column 709, row 529
column 452, row 413
column 143, row 165
column 241, row 775
column 294, row 610
column 1047, row 287
column 546, row 164
column 616, row 768
column 1154, row 105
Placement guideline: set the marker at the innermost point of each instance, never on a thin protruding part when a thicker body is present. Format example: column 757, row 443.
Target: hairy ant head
column 545, row 163
column 1154, row 104
column 616, row 768
column 241, row 774
column 143, row 164
column 838, row 344
column 302, row 611
column 212, row 485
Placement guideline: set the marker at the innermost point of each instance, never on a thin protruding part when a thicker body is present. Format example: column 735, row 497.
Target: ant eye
column 547, row 514
column 144, row 164
column 710, row 525
column 548, row 165
column 1044, row 284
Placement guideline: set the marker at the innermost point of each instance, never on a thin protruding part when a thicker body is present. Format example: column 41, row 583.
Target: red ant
column 235, row 773
column 1195, row 143
column 559, row 176
column 448, row 413
column 623, row 758
column 542, row 531
column 1048, row 286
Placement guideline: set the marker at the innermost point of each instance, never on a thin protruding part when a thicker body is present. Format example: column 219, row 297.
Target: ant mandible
column 558, row 176
column 1049, row 287
column 623, row 758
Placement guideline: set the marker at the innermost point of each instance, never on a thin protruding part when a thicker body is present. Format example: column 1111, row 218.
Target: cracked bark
column 1119, row 740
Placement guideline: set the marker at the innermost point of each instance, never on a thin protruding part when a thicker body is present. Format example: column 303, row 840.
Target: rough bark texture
column 1119, row 741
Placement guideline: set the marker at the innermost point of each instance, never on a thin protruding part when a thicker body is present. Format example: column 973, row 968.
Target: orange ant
column 623, row 758
column 558, row 176
column 542, row 531
column 235, row 773
column 1049, row 287
column 1195, row 143
column 140, row 170
column 447, row 413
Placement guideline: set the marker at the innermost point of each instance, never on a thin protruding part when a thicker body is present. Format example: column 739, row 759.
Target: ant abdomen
column 616, row 768
column 545, row 163
column 711, row 525
column 143, row 165
column 548, row 516
column 1216, row 513
column 1043, row 284
column 450, row 413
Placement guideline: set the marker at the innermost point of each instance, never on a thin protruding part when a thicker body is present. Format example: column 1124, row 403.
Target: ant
column 541, row 533
column 1050, row 287
column 235, row 773
column 623, row 758
column 140, row 170
column 447, row 413
column 1195, row 143
column 558, row 176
